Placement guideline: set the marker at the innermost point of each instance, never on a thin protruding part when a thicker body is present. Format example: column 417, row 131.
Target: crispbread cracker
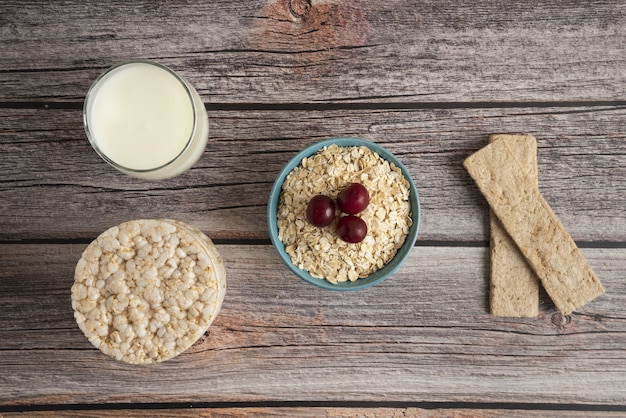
column 551, row 252
column 514, row 284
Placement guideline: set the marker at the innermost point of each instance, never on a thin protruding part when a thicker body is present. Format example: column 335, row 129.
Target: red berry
column 351, row 229
column 353, row 198
column 320, row 211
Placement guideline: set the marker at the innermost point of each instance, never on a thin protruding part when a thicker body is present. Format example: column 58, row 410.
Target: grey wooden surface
column 427, row 80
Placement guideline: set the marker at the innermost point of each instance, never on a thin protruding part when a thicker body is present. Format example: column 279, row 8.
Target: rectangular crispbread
column 515, row 199
column 514, row 290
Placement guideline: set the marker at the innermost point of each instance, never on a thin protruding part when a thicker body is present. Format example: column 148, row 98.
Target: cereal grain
column 388, row 215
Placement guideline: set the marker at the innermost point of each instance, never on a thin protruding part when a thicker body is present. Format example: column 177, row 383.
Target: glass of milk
column 145, row 120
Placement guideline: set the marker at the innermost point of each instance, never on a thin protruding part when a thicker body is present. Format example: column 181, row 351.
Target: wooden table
column 427, row 80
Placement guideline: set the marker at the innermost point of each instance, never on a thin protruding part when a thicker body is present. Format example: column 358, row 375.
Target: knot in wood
column 299, row 9
column 560, row 320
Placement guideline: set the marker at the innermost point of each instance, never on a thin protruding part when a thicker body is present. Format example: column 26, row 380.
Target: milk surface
column 140, row 116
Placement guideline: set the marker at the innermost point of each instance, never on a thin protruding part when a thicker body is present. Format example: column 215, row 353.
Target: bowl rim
column 378, row 276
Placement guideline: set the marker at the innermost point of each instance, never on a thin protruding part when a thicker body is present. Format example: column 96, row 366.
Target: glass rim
column 91, row 138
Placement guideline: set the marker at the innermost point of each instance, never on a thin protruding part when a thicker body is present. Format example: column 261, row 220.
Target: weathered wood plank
column 423, row 335
column 281, row 51
column 315, row 411
column 54, row 186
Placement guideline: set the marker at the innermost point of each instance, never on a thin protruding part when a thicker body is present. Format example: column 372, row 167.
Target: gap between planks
column 313, row 408
column 357, row 104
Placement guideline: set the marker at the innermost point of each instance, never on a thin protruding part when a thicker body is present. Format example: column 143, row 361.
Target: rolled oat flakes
column 144, row 291
column 388, row 215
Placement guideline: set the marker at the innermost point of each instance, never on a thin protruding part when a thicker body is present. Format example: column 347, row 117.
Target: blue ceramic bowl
column 374, row 278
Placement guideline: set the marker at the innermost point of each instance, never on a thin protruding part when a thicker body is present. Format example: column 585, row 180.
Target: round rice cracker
column 146, row 290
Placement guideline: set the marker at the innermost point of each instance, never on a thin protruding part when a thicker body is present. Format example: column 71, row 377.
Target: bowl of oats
column 344, row 214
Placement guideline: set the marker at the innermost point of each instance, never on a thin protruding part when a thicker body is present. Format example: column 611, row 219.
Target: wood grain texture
column 54, row 186
column 314, row 412
column 423, row 335
column 430, row 81
column 271, row 51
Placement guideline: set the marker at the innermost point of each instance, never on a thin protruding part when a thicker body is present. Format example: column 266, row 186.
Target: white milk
column 145, row 120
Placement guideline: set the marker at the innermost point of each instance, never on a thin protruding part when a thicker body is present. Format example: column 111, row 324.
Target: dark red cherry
column 351, row 229
column 320, row 211
column 353, row 198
